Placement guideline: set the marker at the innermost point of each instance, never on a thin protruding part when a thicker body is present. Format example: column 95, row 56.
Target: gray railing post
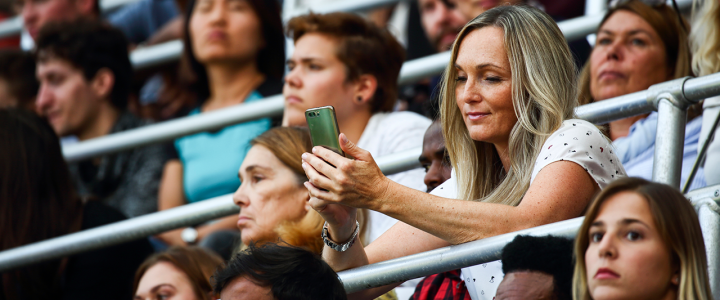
column 670, row 137
column 709, row 214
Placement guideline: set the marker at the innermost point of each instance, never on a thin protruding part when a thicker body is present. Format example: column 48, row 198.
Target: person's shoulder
column 403, row 120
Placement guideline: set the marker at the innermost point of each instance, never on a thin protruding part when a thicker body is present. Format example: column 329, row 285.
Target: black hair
column 291, row 273
column 17, row 68
column 90, row 45
column 270, row 60
column 548, row 254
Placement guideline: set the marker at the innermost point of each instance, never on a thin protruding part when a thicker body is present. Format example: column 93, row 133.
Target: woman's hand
column 357, row 183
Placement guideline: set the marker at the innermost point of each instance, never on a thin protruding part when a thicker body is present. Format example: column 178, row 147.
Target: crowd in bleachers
column 502, row 148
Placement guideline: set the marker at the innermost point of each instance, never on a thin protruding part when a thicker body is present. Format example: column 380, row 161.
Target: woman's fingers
column 330, row 156
column 319, row 193
column 319, row 165
column 317, row 179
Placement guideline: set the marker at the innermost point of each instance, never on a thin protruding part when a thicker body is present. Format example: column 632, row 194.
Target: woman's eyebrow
column 629, row 221
column 157, row 287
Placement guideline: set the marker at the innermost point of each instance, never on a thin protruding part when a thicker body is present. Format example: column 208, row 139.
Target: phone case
column 323, row 127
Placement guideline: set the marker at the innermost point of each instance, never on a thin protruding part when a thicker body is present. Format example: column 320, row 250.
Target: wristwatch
column 189, row 235
column 340, row 247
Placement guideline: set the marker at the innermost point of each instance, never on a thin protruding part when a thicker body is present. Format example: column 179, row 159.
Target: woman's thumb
column 350, row 148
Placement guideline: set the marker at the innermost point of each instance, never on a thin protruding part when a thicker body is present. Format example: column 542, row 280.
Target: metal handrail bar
column 446, row 258
column 599, row 113
column 151, row 224
column 14, row 26
column 573, row 29
column 490, row 249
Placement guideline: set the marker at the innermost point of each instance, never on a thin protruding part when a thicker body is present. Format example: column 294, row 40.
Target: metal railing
column 685, row 90
column 151, row 224
column 490, row 249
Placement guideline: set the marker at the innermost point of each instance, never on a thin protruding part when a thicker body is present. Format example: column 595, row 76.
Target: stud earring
column 359, row 99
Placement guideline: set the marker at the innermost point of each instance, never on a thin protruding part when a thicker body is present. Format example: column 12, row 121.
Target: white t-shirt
column 577, row 141
column 388, row 133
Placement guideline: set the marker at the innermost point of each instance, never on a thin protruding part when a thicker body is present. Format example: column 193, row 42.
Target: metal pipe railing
column 445, row 259
column 490, row 249
column 151, row 224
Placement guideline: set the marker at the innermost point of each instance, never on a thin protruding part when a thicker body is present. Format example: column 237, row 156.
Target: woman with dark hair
column 236, row 51
column 38, row 202
column 178, row 273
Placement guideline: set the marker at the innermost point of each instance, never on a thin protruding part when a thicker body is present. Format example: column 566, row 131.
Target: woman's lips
column 216, row 35
column 605, row 273
column 242, row 220
column 293, row 99
column 610, row 75
column 474, row 116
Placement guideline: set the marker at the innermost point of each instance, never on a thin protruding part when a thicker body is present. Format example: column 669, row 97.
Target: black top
column 106, row 273
column 127, row 181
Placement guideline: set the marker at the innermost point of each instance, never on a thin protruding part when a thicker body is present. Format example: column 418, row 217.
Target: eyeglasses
column 654, row 4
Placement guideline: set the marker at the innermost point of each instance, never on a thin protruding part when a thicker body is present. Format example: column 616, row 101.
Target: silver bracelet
column 340, row 247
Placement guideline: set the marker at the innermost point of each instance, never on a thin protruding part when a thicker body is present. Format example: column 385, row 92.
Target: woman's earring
column 359, row 99
column 676, row 279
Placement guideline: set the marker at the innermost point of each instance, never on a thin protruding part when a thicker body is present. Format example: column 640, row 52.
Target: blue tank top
column 211, row 160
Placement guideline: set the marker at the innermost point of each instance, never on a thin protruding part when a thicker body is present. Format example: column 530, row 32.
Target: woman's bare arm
column 171, row 195
column 560, row 191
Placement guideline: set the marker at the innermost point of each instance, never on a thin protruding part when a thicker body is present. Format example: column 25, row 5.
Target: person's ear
column 365, row 87
column 676, row 278
column 103, row 82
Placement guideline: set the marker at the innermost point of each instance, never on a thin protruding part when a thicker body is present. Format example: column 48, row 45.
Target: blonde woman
column 636, row 228
column 519, row 158
column 705, row 42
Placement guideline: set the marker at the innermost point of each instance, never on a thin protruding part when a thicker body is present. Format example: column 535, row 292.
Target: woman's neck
column 621, row 128
column 354, row 125
column 502, row 150
column 231, row 84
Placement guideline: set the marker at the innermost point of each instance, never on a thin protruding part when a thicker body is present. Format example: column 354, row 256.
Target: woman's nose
column 469, row 92
column 240, row 198
column 292, row 79
column 606, row 248
column 615, row 51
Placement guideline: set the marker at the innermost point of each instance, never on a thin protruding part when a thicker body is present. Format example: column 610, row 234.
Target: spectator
column 38, row 202
column 342, row 60
column 441, row 23
column 37, row 13
column 705, row 41
column 142, row 20
column 177, row 273
column 434, row 159
column 236, row 50
column 18, row 85
column 537, row 268
column 85, row 73
column 638, row 46
column 278, row 272
column 272, row 198
column 473, row 8
column 519, row 160
column 636, row 228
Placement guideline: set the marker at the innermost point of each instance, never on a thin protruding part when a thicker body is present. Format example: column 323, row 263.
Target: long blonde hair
column 677, row 225
column 705, row 39
column 543, row 95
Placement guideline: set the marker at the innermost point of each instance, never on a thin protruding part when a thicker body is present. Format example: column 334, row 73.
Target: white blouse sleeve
column 582, row 143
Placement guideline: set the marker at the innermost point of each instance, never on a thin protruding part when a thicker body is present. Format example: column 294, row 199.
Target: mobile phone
column 324, row 130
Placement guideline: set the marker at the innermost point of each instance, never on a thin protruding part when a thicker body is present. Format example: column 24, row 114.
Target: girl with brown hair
column 640, row 240
column 182, row 273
